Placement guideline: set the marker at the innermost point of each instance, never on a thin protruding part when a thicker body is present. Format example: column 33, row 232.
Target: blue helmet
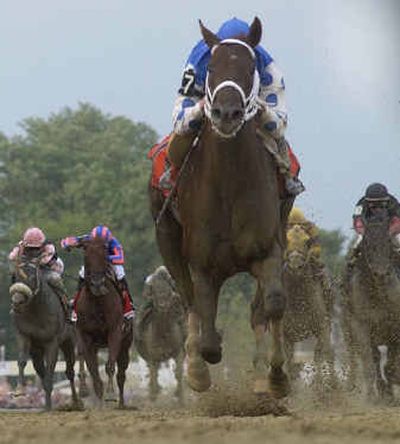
column 233, row 28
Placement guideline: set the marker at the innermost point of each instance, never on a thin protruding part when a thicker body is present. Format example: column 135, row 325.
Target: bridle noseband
column 250, row 102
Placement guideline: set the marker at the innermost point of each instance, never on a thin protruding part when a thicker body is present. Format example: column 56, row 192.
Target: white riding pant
column 118, row 270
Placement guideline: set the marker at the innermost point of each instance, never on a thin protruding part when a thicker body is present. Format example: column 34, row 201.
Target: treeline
column 76, row 169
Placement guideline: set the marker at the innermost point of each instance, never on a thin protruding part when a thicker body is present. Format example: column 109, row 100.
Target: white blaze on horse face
column 250, row 102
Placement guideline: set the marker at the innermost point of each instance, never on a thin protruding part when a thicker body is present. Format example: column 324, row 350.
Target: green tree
column 67, row 173
column 332, row 244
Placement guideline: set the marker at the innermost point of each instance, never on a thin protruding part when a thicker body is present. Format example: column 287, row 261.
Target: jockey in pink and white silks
column 115, row 258
column 35, row 246
column 188, row 111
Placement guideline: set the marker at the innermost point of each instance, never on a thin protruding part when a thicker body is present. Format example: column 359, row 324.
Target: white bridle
column 250, row 102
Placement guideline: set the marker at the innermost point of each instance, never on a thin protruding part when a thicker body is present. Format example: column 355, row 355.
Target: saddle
column 164, row 174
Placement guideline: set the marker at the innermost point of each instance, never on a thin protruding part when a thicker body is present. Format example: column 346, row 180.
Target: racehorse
column 372, row 308
column 310, row 304
column 230, row 217
column 160, row 329
column 100, row 321
column 41, row 327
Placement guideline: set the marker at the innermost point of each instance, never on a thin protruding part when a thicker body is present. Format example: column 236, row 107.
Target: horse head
column 232, row 82
column 27, row 284
column 376, row 246
column 96, row 266
column 298, row 246
column 163, row 295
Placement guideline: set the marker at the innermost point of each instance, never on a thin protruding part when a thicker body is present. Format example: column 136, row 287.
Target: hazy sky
column 341, row 60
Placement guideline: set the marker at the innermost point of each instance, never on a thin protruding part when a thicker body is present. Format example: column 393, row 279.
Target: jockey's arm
column 188, row 109
column 116, row 256
column 73, row 241
column 272, row 98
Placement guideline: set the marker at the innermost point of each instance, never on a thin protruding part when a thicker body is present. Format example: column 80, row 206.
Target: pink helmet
column 33, row 237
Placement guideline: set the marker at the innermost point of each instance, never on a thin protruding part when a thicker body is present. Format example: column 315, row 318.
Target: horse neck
column 373, row 245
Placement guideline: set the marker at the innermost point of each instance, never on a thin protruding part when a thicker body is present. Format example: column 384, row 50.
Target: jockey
column 188, row 113
column 161, row 286
column 35, row 246
column 375, row 199
column 115, row 257
column 296, row 217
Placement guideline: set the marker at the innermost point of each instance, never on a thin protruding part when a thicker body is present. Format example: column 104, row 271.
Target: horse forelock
column 96, row 254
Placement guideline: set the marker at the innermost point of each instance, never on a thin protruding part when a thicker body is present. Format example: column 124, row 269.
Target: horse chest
column 229, row 204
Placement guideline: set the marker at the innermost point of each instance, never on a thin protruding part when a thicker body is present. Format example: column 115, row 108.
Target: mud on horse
column 100, row 320
column 230, row 217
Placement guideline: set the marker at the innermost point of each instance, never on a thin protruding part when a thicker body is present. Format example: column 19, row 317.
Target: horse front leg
column 90, row 353
column 197, row 371
column 68, row 349
column 206, row 302
column 23, row 356
column 179, row 377
column 114, row 346
column 123, row 363
column 267, row 311
column 51, row 355
column 83, row 387
column 154, row 386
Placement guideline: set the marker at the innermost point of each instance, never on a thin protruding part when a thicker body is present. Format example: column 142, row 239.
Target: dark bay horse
column 41, row 327
column 373, row 308
column 100, row 320
column 230, row 219
column 160, row 329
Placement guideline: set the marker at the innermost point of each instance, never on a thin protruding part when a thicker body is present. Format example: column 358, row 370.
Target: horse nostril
column 216, row 113
column 237, row 114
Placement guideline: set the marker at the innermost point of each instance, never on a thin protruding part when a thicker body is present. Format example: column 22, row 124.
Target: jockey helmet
column 102, row 231
column 296, row 216
column 33, row 238
column 232, row 28
column 376, row 192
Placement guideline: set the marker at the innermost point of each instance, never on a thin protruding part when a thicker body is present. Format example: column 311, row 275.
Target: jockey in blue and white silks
column 188, row 114
column 188, row 111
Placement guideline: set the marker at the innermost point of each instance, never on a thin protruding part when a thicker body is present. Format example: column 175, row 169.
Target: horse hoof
column 278, row 383
column 198, row 377
column 212, row 356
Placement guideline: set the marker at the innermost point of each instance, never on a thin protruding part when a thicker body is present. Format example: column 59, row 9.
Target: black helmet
column 376, row 192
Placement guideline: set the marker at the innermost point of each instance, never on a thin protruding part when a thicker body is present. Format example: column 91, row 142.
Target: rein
column 250, row 102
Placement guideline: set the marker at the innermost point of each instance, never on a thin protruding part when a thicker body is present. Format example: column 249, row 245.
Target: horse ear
column 255, row 32
column 209, row 37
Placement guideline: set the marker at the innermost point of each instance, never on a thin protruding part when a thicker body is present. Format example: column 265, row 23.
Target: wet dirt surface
column 201, row 425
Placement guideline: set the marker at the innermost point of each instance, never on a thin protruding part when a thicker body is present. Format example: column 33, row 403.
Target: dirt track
column 180, row 426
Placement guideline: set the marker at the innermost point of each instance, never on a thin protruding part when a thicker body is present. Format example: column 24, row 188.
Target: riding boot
column 280, row 151
column 129, row 310
column 178, row 147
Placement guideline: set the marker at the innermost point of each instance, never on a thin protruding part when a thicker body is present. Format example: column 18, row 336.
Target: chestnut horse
column 100, row 320
column 229, row 217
